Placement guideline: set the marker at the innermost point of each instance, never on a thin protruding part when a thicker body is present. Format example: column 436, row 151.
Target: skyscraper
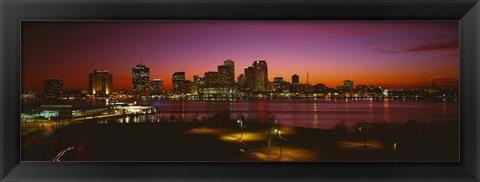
column 100, row 83
column 249, row 78
column 178, row 78
column 156, row 86
column 53, row 88
column 227, row 73
column 223, row 75
column 295, row 79
column 198, row 81
column 141, row 80
column 230, row 74
column 213, row 79
column 260, row 76
column 241, row 81
column 188, row 87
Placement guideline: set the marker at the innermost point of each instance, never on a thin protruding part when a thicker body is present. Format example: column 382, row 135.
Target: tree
column 270, row 127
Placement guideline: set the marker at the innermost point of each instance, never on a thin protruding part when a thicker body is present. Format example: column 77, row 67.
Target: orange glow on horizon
column 391, row 54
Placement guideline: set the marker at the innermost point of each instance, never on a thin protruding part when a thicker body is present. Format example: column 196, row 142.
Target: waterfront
column 322, row 114
column 313, row 130
column 217, row 91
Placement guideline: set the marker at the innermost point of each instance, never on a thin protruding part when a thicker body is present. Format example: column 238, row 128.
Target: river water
column 322, row 114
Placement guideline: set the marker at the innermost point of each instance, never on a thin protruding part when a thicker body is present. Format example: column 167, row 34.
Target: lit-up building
column 230, row 72
column 198, row 82
column 73, row 94
column 260, row 76
column 348, row 84
column 53, row 88
column 141, row 80
column 214, row 85
column 213, row 79
column 220, row 83
column 214, row 92
column 227, row 73
column 156, row 87
column 249, row 78
column 241, row 81
column 188, row 87
column 298, row 88
column 178, row 78
column 277, row 82
column 223, row 74
column 67, row 111
column 100, row 83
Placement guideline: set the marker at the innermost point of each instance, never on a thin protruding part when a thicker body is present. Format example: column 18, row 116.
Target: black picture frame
column 14, row 11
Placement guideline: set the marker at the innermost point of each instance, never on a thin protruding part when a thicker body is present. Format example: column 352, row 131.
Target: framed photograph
column 197, row 90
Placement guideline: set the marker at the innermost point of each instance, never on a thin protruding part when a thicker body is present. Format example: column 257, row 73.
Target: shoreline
column 212, row 141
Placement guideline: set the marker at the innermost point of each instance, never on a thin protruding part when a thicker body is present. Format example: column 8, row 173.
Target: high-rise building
column 100, row 83
column 156, row 86
column 187, row 87
column 348, row 84
column 230, row 74
column 249, row 78
column 213, row 79
column 141, row 80
column 260, row 76
column 277, row 82
column 198, row 81
column 53, row 88
column 295, row 79
column 223, row 74
column 241, row 81
column 178, row 79
column 227, row 73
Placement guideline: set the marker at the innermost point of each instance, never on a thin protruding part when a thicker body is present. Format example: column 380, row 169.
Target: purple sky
column 392, row 54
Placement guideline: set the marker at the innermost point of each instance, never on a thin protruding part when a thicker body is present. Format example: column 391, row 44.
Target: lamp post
column 364, row 137
column 241, row 128
column 395, row 151
column 279, row 137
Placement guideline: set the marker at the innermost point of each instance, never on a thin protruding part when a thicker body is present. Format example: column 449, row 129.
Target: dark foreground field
column 189, row 141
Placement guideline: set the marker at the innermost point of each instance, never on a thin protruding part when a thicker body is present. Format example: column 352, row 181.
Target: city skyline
column 211, row 79
column 383, row 56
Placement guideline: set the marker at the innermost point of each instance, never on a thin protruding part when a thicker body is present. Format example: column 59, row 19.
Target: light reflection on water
column 305, row 113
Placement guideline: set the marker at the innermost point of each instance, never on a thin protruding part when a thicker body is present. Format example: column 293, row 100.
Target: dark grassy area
column 164, row 141
column 156, row 141
column 144, row 142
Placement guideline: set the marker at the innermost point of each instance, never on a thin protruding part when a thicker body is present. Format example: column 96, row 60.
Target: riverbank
column 224, row 141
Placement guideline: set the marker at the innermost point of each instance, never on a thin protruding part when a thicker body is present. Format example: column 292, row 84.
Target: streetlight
column 279, row 137
column 365, row 137
column 395, row 151
column 241, row 128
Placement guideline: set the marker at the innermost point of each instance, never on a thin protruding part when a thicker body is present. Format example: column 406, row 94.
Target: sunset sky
column 392, row 54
